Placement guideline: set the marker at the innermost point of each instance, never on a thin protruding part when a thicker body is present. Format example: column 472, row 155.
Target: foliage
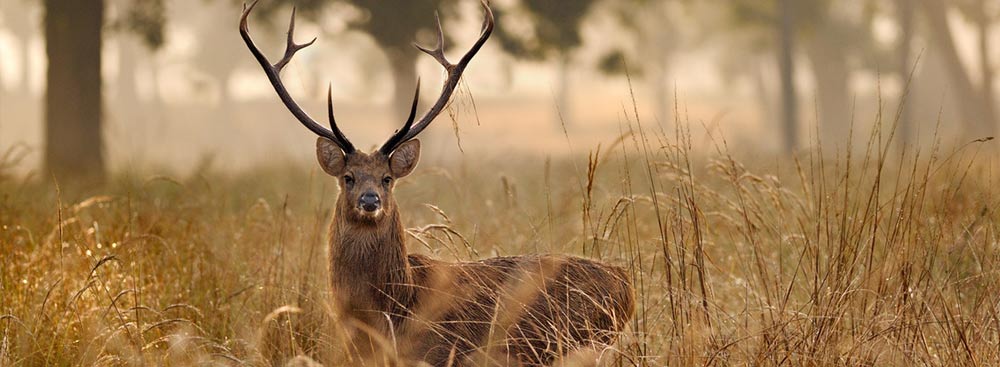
column 145, row 18
column 554, row 27
column 391, row 23
column 613, row 63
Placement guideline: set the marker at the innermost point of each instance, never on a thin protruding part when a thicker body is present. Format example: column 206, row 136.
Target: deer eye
column 387, row 180
column 348, row 179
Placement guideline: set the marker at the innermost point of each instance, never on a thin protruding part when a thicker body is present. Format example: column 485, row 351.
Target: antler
column 273, row 74
column 409, row 130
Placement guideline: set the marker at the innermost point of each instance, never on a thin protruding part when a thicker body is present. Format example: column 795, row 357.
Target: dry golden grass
column 885, row 257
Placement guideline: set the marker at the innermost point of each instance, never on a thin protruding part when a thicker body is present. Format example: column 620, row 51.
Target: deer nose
column 369, row 201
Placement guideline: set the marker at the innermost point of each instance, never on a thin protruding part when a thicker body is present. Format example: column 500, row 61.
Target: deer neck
column 369, row 266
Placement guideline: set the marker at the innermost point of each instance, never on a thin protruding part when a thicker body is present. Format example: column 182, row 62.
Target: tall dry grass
column 880, row 255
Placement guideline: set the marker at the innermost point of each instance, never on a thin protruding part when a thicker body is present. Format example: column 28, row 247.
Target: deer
column 514, row 310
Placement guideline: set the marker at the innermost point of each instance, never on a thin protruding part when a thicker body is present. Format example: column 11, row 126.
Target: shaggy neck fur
column 370, row 272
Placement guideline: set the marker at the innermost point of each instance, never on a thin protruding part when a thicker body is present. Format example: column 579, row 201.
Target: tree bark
column 73, row 144
column 786, row 65
column 974, row 108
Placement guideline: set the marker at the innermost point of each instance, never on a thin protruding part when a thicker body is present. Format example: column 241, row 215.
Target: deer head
column 367, row 179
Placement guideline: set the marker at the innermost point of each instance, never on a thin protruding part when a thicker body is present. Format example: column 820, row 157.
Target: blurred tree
column 651, row 25
column 219, row 48
column 976, row 101
column 983, row 15
column 145, row 19
column 836, row 39
column 74, row 148
column 73, row 144
column 392, row 24
column 778, row 19
column 553, row 32
column 786, row 62
column 134, row 24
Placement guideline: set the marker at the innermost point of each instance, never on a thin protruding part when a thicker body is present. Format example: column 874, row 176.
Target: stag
column 517, row 310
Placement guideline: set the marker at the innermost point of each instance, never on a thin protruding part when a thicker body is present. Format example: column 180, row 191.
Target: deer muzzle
column 369, row 202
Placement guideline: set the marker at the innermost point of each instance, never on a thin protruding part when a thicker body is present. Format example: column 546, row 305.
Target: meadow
column 870, row 254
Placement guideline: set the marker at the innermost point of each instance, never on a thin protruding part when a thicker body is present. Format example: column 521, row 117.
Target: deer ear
column 330, row 157
column 404, row 159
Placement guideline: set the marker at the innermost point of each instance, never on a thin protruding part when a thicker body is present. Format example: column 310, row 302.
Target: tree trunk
column 73, row 145
column 828, row 59
column 904, row 9
column 974, row 110
column 786, row 65
column 403, row 62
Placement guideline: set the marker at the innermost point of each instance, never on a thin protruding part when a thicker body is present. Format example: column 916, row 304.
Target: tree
column 775, row 20
column 838, row 40
column 834, row 37
column 74, row 148
column 983, row 14
column 653, row 32
column 555, row 34
column 217, row 43
column 73, row 144
column 786, row 65
column 975, row 101
column 393, row 25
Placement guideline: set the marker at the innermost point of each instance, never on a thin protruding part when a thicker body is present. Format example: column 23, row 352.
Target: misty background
column 89, row 87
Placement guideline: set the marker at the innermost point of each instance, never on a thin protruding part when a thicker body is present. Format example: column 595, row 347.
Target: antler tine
column 273, row 72
column 454, row 75
column 438, row 51
column 397, row 137
column 347, row 146
column 484, row 33
column 291, row 47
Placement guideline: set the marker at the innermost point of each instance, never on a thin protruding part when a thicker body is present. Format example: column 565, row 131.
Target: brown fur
column 521, row 310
